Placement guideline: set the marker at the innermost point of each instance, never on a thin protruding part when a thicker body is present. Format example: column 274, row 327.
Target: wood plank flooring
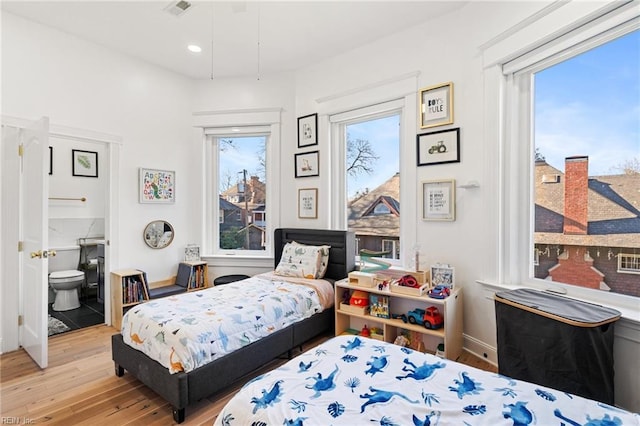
column 80, row 387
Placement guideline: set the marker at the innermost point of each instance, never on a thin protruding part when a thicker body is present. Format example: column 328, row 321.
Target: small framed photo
column 192, row 252
column 308, row 203
column 439, row 147
column 442, row 275
column 308, row 130
column 307, row 164
column 83, row 163
column 436, row 105
column 50, row 160
column 157, row 186
column 439, row 200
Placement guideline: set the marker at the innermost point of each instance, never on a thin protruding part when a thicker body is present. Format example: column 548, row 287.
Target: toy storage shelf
column 450, row 308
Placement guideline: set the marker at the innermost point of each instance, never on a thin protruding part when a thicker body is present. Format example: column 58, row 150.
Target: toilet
column 64, row 279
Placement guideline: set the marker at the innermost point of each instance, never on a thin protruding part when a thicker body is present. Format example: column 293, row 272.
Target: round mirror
column 158, row 234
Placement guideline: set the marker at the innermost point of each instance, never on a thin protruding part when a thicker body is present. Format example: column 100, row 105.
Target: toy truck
column 429, row 318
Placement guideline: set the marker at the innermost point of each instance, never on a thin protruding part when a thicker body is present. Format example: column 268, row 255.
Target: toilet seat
column 65, row 276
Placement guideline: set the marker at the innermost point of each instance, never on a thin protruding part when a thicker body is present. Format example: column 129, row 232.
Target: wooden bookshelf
column 129, row 287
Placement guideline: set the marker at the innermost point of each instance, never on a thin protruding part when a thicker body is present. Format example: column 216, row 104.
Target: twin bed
column 186, row 373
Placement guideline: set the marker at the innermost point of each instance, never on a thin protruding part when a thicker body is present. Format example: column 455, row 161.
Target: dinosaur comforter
column 186, row 331
column 351, row 380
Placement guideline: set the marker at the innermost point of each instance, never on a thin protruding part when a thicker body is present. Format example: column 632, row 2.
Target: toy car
column 439, row 292
column 429, row 318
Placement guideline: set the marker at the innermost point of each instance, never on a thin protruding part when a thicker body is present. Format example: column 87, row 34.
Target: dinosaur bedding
column 352, row 380
column 185, row 331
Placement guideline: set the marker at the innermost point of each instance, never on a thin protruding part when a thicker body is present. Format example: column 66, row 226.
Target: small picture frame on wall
column 308, row 130
column 307, row 164
column 439, row 147
column 436, row 105
column 439, row 200
column 84, row 163
column 442, row 275
column 157, row 186
column 308, row 203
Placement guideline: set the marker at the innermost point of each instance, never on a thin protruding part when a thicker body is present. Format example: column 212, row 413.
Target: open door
column 34, row 190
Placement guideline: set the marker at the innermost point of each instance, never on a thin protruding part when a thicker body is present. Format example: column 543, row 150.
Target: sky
column 590, row 105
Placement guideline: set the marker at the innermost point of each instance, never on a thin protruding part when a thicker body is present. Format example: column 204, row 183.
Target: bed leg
column 290, row 354
column 119, row 370
column 178, row 414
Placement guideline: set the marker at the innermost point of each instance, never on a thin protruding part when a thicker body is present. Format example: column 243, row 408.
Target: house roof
column 387, row 225
column 226, row 205
column 613, row 209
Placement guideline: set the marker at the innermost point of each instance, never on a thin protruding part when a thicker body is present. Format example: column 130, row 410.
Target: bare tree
column 360, row 157
column 539, row 156
column 628, row 167
column 227, row 181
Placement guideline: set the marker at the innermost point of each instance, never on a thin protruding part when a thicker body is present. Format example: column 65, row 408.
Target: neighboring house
column 251, row 207
column 375, row 218
column 230, row 215
column 587, row 229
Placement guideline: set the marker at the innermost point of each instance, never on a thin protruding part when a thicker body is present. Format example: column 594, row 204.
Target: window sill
column 628, row 313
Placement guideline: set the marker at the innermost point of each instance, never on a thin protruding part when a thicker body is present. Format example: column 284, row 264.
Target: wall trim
column 480, row 349
column 374, row 85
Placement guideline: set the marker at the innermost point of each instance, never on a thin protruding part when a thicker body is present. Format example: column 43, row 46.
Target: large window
column 575, row 121
column 372, row 166
column 241, row 177
column 586, row 135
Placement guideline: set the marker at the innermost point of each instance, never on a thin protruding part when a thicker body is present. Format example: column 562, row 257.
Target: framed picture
column 157, row 186
column 308, row 130
column 50, row 160
column 439, row 200
column 442, row 275
column 439, row 147
column 192, row 252
column 308, row 203
column 307, row 164
column 84, row 163
column 436, row 105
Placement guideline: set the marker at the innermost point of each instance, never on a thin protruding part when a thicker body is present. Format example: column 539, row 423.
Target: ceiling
column 238, row 38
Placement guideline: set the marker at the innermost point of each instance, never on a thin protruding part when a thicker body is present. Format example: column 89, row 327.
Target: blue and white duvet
column 186, row 331
column 351, row 380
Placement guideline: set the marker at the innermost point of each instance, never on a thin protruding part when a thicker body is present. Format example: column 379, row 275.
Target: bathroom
column 77, row 200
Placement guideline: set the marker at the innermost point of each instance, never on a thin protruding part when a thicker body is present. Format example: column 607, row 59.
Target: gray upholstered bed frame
column 183, row 389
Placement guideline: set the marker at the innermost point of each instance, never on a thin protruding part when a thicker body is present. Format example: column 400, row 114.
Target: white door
column 34, row 190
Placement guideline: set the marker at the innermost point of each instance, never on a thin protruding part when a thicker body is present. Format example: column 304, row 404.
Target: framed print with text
column 439, row 200
column 436, row 105
column 308, row 203
column 157, row 186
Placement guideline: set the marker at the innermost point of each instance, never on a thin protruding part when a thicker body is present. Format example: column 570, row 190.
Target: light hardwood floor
column 79, row 386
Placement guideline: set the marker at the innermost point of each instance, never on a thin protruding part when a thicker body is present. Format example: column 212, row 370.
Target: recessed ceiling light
column 194, row 48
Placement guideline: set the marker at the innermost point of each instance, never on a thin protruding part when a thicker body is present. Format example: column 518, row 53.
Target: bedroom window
column 575, row 119
column 370, row 141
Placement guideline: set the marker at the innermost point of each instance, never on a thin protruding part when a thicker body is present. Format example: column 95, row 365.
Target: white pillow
column 324, row 258
column 299, row 260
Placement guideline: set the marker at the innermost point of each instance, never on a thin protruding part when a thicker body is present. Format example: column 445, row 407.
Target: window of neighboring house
column 372, row 164
column 221, row 216
column 629, row 263
column 578, row 107
column 393, row 247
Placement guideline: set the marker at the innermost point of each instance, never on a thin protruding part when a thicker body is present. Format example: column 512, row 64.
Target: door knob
column 52, row 253
column 36, row 254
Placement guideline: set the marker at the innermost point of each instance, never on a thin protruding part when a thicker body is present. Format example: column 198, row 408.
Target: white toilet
column 64, row 279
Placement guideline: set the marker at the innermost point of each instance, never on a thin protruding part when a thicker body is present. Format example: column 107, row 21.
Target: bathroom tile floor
column 89, row 313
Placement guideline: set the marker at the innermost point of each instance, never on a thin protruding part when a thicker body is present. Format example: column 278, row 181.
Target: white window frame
column 622, row 270
column 240, row 123
column 558, row 34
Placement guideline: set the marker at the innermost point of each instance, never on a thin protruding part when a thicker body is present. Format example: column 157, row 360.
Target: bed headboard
column 342, row 255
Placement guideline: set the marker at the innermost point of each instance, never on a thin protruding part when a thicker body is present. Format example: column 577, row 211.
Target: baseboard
column 481, row 350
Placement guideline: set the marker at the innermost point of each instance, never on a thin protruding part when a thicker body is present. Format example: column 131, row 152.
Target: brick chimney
column 576, row 186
